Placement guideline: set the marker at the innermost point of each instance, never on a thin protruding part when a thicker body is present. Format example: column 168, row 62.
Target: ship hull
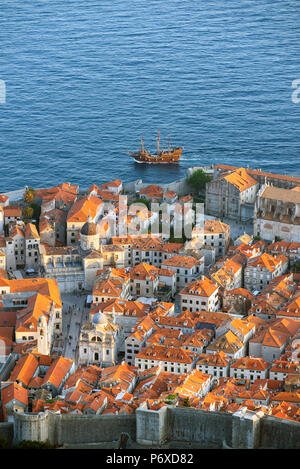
column 164, row 157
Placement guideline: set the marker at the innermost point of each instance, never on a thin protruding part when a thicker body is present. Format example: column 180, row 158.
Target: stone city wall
column 181, row 186
column 67, row 428
column 279, row 433
column 32, row 427
column 186, row 424
column 244, row 429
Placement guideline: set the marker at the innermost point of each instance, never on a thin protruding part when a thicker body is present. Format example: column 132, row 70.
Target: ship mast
column 142, row 145
column 169, row 146
column 158, row 140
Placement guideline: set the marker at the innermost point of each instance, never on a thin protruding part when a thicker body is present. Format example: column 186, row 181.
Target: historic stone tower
column 42, row 336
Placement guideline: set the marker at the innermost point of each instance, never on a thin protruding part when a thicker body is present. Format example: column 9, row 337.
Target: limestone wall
column 70, row 428
column 244, row 429
column 32, row 427
column 92, row 429
column 279, row 433
column 194, row 425
column 181, row 186
column 152, row 426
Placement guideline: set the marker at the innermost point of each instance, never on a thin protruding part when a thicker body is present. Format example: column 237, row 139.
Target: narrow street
column 74, row 315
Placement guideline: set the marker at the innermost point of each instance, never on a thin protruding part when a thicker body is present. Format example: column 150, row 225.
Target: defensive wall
column 181, row 187
column 241, row 430
column 59, row 429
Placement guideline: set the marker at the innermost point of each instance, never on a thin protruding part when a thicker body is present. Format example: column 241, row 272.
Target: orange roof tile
column 24, row 369
column 202, row 286
column 31, row 231
column 82, row 208
column 57, row 371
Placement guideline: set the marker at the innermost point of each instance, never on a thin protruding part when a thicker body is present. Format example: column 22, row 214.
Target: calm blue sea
column 85, row 79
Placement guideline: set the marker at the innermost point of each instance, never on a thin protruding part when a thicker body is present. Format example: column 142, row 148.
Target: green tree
column 186, row 402
column 297, row 267
column 36, row 211
column 198, row 179
column 29, row 195
column 141, row 201
column 172, row 239
column 4, row 443
column 27, row 212
column 28, row 444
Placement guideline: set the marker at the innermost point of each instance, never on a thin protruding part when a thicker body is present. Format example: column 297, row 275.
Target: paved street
column 177, row 304
column 74, row 315
column 239, row 228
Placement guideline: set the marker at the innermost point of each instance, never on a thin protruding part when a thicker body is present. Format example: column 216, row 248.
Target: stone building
column 171, row 359
column 136, row 341
column 251, row 368
column 229, row 274
column 147, row 249
column 52, row 227
column 17, row 236
column 75, row 267
column 124, row 313
column 277, row 180
column 216, row 364
column 61, row 197
column 262, row 269
column 232, row 195
column 32, row 300
column 65, row 265
column 215, row 235
column 187, row 268
column 8, row 249
column 88, row 208
column 230, row 344
column 270, row 342
column 290, row 249
column 99, row 341
column 89, row 236
column 277, row 214
column 237, row 301
column 32, row 245
column 21, row 247
column 202, row 294
column 144, row 280
column 2, row 261
column 12, row 214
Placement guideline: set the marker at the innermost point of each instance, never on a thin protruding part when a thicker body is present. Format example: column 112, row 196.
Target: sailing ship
column 162, row 156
